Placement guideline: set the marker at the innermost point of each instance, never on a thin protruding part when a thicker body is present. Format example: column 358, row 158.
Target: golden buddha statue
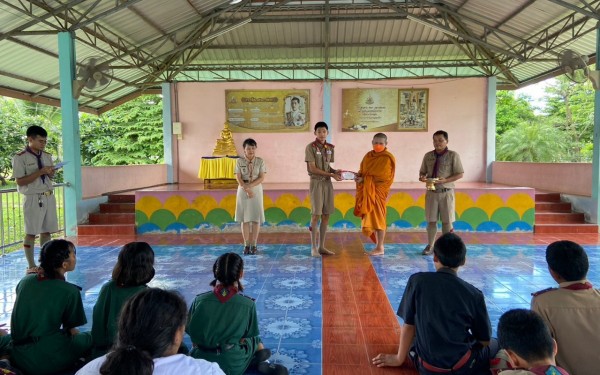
column 225, row 145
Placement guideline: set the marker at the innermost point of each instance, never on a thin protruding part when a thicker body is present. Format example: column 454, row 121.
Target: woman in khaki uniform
column 249, row 208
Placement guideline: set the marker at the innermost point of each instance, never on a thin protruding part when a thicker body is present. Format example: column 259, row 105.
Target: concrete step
column 106, row 229
column 565, row 228
column 558, row 218
column 552, row 206
column 117, row 208
column 111, row 218
column 121, row 198
column 547, row 197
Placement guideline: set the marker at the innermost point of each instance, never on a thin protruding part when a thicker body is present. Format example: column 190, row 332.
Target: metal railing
column 12, row 229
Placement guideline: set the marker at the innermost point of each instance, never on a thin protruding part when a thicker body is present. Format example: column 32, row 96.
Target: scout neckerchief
column 250, row 168
column 224, row 293
column 436, row 165
column 39, row 161
column 579, row 286
column 322, row 148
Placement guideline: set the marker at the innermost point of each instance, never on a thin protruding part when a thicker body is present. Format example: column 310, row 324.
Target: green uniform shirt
column 44, row 309
column 106, row 315
column 212, row 324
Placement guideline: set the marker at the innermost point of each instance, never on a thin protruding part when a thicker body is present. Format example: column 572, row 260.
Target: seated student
column 134, row 269
column 445, row 316
column 526, row 340
column 223, row 324
column 46, row 311
column 571, row 310
column 150, row 331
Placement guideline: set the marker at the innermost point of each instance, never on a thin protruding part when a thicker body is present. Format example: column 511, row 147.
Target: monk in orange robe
column 373, row 182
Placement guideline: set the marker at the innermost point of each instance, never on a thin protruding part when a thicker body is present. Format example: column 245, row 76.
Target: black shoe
column 253, row 250
column 246, row 250
column 272, row 369
column 260, row 356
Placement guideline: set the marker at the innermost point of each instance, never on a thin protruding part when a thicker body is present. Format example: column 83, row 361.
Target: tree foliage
column 126, row 135
column 532, row 142
column 567, row 122
column 512, row 110
column 570, row 108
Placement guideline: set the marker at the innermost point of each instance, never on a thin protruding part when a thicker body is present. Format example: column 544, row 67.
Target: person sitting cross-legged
column 446, row 324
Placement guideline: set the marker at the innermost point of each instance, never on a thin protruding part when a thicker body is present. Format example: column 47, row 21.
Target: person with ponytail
column 134, row 269
column 46, row 311
column 223, row 324
column 150, row 331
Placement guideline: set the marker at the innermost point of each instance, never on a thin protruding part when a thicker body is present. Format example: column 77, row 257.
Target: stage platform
column 193, row 208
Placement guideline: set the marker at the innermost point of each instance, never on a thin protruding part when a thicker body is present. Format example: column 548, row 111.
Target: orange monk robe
column 377, row 170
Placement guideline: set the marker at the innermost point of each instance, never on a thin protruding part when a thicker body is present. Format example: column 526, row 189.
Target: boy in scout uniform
column 318, row 156
column 526, row 341
column 33, row 170
column 443, row 165
column 572, row 310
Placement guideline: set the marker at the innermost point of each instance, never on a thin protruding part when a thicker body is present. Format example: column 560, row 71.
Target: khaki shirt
column 449, row 165
column 313, row 154
column 574, row 320
column 25, row 163
column 241, row 166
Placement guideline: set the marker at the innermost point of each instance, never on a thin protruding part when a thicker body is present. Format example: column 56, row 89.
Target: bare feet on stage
column 387, row 360
column 376, row 252
column 322, row 251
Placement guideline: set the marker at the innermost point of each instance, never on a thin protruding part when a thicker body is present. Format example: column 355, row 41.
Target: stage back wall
column 457, row 106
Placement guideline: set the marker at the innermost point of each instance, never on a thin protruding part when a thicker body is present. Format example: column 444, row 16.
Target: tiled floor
column 327, row 316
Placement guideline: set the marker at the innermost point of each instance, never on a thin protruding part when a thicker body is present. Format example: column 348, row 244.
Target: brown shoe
column 246, row 250
column 253, row 250
column 428, row 250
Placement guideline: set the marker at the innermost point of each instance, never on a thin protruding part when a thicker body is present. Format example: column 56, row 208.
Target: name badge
column 318, row 152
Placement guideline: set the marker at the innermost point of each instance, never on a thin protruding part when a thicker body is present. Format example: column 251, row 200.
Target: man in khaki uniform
column 33, row 170
column 572, row 311
column 445, row 166
column 318, row 155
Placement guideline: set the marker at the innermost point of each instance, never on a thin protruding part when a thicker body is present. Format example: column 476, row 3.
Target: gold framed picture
column 274, row 111
column 412, row 109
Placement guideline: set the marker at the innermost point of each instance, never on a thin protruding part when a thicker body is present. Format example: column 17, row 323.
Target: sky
column 536, row 92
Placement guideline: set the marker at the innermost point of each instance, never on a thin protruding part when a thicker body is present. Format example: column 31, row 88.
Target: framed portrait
column 295, row 111
column 274, row 111
column 412, row 109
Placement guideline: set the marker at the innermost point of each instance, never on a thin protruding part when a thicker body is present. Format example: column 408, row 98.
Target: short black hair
column 450, row 250
column 249, row 142
column 441, row 132
column 380, row 135
column 296, row 99
column 321, row 124
column 568, row 260
column 525, row 333
column 34, row 131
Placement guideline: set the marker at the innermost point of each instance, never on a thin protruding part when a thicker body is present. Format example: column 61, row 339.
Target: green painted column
column 70, row 131
column 596, row 153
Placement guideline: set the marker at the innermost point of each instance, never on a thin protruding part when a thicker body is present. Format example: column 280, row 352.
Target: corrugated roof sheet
column 150, row 41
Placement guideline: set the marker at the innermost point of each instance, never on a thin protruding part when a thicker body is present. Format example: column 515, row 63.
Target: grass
column 12, row 230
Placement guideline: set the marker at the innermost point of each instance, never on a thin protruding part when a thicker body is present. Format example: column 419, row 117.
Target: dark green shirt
column 44, row 311
column 106, row 314
column 212, row 324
